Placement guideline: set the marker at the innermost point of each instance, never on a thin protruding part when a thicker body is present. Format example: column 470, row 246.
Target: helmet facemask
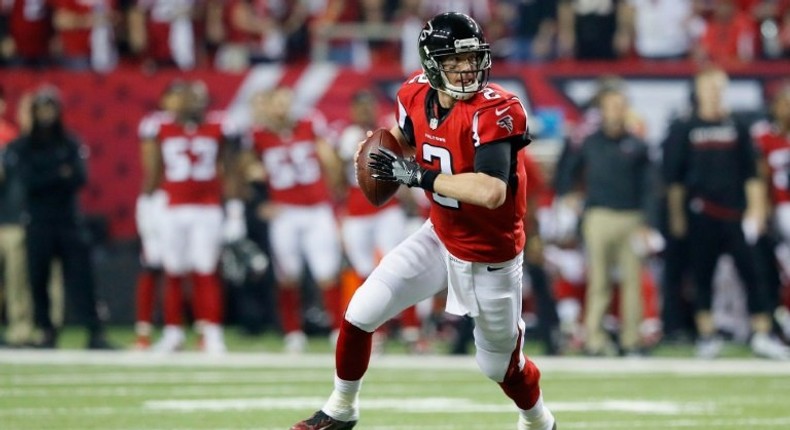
column 438, row 71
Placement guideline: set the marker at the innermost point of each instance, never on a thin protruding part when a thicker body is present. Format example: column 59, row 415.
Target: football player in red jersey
column 468, row 139
column 773, row 143
column 299, row 167
column 148, row 215
column 191, row 161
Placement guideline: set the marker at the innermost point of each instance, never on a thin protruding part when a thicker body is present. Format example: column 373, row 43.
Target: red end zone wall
column 104, row 110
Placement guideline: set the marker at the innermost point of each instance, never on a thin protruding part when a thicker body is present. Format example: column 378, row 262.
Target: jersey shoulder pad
column 151, row 124
column 493, row 94
column 500, row 117
column 412, row 87
column 220, row 120
column 316, row 121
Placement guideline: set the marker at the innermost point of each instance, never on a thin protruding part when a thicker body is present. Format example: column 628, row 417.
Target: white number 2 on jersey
column 291, row 166
column 190, row 158
column 429, row 153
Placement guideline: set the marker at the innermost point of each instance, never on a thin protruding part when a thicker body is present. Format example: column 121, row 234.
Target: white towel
column 182, row 42
column 461, row 296
column 104, row 57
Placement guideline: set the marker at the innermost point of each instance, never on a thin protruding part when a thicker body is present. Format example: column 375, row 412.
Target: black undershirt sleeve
column 408, row 132
column 495, row 159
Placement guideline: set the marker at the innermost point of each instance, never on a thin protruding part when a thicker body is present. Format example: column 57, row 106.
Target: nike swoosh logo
column 493, row 269
column 500, row 112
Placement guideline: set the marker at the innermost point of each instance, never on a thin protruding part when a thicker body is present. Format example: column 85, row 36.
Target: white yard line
column 750, row 423
column 158, row 378
column 410, row 405
column 432, row 405
column 548, row 365
column 180, row 390
column 737, row 423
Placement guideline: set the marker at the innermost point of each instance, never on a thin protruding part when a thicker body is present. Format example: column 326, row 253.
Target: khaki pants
column 19, row 308
column 18, row 302
column 608, row 239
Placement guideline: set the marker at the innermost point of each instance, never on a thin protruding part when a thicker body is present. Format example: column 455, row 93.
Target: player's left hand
column 389, row 167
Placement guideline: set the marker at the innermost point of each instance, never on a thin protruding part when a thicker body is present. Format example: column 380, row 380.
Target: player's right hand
column 148, row 212
column 144, row 214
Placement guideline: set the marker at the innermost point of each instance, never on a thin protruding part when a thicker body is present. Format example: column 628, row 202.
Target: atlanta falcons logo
column 506, row 122
column 426, row 32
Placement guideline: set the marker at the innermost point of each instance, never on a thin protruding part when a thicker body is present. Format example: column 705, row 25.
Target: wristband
column 427, row 179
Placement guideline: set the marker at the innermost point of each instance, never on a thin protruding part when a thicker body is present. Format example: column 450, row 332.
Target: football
column 377, row 192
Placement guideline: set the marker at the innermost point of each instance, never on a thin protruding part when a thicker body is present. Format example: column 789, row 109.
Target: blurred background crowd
column 643, row 230
column 231, row 34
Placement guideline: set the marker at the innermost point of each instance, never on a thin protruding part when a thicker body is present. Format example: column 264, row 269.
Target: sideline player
column 299, row 167
column 148, row 215
column 191, row 160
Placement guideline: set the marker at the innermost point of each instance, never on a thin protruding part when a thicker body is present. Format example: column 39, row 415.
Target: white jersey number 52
column 190, row 158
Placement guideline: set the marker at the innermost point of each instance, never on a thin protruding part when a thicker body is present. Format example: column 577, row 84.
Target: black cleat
column 322, row 421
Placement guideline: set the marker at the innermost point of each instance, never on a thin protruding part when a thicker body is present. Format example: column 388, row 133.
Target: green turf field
column 78, row 390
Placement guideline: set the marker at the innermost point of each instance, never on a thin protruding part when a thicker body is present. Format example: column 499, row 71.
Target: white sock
column 536, row 413
column 343, row 403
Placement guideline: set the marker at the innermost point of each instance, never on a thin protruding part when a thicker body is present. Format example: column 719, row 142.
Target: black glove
column 389, row 167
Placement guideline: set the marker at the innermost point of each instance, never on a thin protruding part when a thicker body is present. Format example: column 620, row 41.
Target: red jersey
column 775, row 148
column 190, row 155
column 160, row 17
column 730, row 40
column 235, row 34
column 77, row 42
column 537, row 184
column 469, row 232
column 293, row 169
column 356, row 203
column 152, row 122
column 30, row 27
column 8, row 132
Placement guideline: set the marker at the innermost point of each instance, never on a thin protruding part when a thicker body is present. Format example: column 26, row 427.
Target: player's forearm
column 151, row 164
column 756, row 198
column 478, row 189
column 138, row 38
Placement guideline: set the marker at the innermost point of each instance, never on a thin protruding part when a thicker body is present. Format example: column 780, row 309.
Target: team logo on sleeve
column 506, row 122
